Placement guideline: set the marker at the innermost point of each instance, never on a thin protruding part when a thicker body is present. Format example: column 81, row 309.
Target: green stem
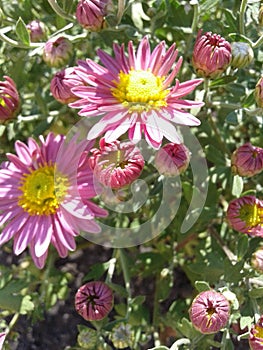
column 12, row 322
column 15, row 43
column 258, row 42
column 243, row 7
column 127, row 278
column 59, row 11
column 196, row 17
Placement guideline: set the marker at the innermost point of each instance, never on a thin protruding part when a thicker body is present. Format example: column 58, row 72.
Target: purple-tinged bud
column 94, row 300
column 61, row 85
column 57, row 52
column 257, row 260
column 37, row 31
column 172, row 159
column 211, row 55
column 90, row 14
column 259, row 93
column 9, row 99
column 247, row 160
column 116, row 164
column 209, row 312
column 256, row 335
column 242, row 54
column 245, row 214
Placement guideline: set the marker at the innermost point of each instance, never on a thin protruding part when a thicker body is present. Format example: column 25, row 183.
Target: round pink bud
column 116, row 164
column 242, row 54
column 9, row 99
column 247, row 160
column 256, row 335
column 209, row 312
column 94, row 300
column 257, row 260
column 90, row 13
column 57, row 52
column 172, row 159
column 62, row 83
column 245, row 214
column 258, row 93
column 37, row 30
column 211, row 55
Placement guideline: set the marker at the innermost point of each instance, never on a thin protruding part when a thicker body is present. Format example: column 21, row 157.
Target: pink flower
column 172, row 159
column 9, row 99
column 209, row 312
column 116, row 164
column 245, row 215
column 2, row 339
column 57, row 52
column 133, row 93
column 257, row 259
column 42, row 198
column 256, row 335
column 211, row 55
column 247, row 160
column 259, row 93
column 36, row 30
column 62, row 83
column 90, row 13
column 94, row 300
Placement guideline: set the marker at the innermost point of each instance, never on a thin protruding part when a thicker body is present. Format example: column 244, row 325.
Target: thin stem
column 12, row 322
column 127, row 282
column 258, row 42
column 179, row 342
column 196, row 17
column 15, row 43
column 59, row 11
column 243, row 7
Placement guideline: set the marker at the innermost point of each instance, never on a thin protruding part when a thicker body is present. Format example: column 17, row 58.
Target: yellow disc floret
column 140, row 90
column 42, row 191
column 252, row 215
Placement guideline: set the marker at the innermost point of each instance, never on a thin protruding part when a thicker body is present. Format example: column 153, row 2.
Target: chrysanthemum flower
column 257, row 259
column 242, row 54
column 90, row 13
column 245, row 214
column 37, row 30
column 62, row 83
column 209, row 312
column 247, row 160
column 9, row 99
column 133, row 93
column 256, row 335
column 172, row 159
column 116, row 164
column 44, row 200
column 211, row 55
column 57, row 51
column 2, row 339
column 94, row 300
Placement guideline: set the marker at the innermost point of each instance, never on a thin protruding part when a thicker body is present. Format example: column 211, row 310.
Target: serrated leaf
column 202, row 286
column 237, row 186
column 22, row 32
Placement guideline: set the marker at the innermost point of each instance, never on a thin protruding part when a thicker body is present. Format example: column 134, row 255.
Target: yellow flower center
column 252, row 215
column 140, row 90
column 42, row 191
column 259, row 333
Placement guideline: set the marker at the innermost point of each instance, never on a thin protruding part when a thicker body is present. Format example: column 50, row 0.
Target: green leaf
column 245, row 321
column 242, row 246
column 237, row 186
column 202, row 286
column 22, row 32
column 26, row 305
column 222, row 81
column 256, row 293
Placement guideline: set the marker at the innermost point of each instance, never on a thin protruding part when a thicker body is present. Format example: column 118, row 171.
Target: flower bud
column 9, row 99
column 116, row 164
column 256, row 335
column 245, row 214
column 247, row 160
column 94, row 300
column 37, row 30
column 57, row 52
column 209, row 312
column 257, row 260
column 242, row 54
column 172, row 159
column 211, row 55
column 61, row 85
column 258, row 93
column 122, row 336
column 90, row 14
